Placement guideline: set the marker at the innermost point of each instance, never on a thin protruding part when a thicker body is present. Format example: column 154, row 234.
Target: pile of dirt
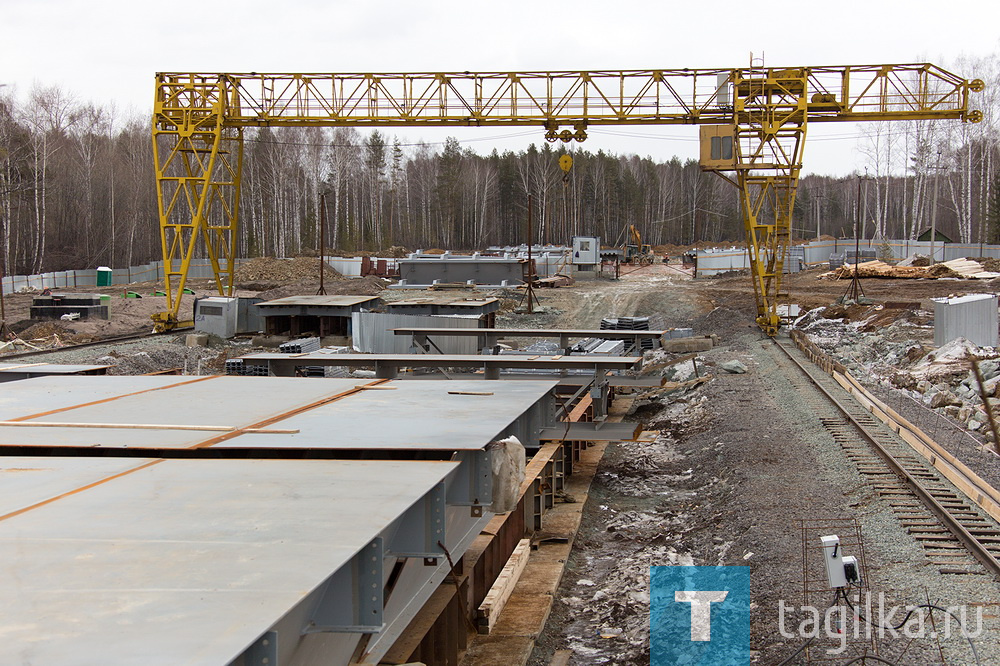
column 942, row 271
column 270, row 269
column 366, row 286
column 991, row 264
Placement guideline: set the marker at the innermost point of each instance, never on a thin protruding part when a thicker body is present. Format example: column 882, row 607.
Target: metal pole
column 817, row 218
column 322, row 243
column 855, row 292
column 937, row 180
column 5, row 332
column 531, row 277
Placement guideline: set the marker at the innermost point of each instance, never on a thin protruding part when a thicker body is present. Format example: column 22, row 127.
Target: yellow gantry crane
column 754, row 122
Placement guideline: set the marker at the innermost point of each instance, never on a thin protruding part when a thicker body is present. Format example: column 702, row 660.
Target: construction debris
column 900, row 354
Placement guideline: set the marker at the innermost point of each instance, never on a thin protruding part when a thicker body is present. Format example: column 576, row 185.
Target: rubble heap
column 901, row 355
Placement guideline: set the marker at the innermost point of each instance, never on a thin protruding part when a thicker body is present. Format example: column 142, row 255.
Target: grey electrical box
column 833, row 560
column 216, row 316
column 227, row 317
column 586, row 250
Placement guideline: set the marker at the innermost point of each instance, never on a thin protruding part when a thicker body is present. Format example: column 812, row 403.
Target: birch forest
column 77, row 188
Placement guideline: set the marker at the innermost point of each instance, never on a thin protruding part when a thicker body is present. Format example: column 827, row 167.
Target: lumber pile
column 876, row 269
column 963, row 269
column 967, row 269
column 555, row 281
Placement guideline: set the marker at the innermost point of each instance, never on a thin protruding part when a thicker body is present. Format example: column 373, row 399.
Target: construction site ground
column 740, row 461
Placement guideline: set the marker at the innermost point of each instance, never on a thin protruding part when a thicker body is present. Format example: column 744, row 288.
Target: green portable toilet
column 104, row 275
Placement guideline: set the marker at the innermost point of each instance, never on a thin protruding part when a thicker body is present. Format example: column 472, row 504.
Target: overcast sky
column 109, row 50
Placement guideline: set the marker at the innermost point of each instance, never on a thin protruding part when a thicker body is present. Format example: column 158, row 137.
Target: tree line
column 77, row 188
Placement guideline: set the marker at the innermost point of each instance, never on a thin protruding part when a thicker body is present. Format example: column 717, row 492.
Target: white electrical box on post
column 833, row 561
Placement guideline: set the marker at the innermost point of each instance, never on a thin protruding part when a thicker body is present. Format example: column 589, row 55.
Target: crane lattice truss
column 199, row 119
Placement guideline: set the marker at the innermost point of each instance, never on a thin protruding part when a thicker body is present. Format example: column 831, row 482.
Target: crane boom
column 199, row 119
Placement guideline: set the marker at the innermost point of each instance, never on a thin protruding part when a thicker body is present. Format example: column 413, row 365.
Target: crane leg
column 198, row 171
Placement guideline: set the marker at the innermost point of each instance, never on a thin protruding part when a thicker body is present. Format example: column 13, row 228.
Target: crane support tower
column 755, row 122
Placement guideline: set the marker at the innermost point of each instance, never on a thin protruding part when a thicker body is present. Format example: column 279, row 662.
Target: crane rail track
column 92, row 343
column 944, row 521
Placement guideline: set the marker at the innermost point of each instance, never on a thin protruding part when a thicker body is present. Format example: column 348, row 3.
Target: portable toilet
column 104, row 275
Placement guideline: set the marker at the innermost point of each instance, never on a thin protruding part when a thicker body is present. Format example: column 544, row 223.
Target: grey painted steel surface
column 387, row 365
column 591, row 432
column 187, row 561
column 399, row 416
column 372, row 332
column 322, row 306
column 501, row 333
column 413, row 414
column 488, row 337
column 973, row 317
column 405, row 415
column 443, row 305
column 14, row 371
column 428, row 269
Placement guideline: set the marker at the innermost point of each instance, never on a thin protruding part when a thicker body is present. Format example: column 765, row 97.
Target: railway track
column 956, row 535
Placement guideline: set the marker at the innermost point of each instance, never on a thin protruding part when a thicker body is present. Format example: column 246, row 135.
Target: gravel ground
column 136, row 357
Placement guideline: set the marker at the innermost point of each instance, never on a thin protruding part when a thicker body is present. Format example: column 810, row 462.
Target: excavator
column 637, row 253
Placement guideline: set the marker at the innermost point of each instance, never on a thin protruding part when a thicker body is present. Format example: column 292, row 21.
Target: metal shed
column 317, row 315
column 973, row 317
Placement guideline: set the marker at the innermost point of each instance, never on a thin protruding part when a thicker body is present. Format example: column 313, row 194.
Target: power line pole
column 322, row 243
column 855, row 292
column 937, row 180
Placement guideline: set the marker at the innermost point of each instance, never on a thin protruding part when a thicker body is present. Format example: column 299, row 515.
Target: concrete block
column 686, row 345
column 196, row 340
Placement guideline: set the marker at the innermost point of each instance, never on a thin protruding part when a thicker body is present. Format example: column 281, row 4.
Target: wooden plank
column 971, row 484
column 470, row 392
column 144, row 426
column 581, row 407
column 561, row 658
column 496, row 599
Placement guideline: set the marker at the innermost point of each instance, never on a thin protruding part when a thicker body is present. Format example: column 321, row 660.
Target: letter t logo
column 701, row 610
